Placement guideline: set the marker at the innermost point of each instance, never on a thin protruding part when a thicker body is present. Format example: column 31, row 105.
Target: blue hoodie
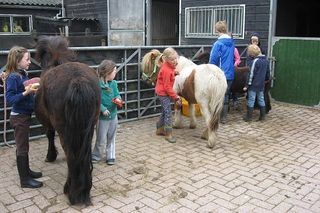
column 222, row 55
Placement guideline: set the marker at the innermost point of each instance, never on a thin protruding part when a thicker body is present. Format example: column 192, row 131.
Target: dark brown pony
column 68, row 101
column 240, row 78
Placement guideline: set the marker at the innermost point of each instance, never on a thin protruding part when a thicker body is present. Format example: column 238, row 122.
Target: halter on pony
column 150, row 66
column 148, row 78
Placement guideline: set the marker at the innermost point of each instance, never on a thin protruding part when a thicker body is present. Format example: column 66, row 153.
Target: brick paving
column 255, row 167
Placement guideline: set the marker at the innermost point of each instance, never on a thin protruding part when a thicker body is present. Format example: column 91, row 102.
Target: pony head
column 150, row 66
column 52, row 51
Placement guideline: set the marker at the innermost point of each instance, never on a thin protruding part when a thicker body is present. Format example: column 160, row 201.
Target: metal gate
column 140, row 101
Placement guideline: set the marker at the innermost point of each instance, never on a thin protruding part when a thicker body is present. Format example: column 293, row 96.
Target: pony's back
column 68, row 100
column 183, row 62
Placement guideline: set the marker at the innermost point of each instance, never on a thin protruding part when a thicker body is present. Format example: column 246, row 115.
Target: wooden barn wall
column 256, row 20
column 88, row 9
column 7, row 41
column 35, row 12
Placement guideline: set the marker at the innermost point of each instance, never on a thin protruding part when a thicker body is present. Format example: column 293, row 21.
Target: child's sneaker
column 110, row 162
column 94, row 161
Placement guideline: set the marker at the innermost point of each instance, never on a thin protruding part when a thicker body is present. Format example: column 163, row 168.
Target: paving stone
column 282, row 207
column 270, row 166
column 33, row 209
column 3, row 208
column 19, row 205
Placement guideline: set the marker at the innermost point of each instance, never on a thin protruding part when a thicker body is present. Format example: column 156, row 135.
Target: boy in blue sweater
column 258, row 74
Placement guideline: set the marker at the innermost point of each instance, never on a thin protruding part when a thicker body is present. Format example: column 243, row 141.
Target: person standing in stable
column 21, row 98
column 222, row 55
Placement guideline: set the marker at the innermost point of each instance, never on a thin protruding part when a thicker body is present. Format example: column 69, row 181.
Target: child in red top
column 165, row 92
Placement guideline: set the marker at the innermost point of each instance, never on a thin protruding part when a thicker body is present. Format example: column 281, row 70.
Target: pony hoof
column 193, row 126
column 66, row 189
column 177, row 126
column 204, row 137
column 210, row 146
column 49, row 160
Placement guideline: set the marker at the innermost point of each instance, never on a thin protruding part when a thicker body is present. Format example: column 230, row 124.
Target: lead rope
column 5, row 112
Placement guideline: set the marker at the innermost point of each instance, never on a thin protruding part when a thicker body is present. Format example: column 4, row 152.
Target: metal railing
column 140, row 100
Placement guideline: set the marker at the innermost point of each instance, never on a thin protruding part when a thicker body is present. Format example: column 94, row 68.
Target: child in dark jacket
column 21, row 98
column 259, row 73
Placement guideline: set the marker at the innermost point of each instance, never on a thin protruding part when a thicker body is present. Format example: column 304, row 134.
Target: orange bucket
column 185, row 108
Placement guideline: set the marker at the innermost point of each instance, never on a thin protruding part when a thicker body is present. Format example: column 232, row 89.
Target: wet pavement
column 270, row 166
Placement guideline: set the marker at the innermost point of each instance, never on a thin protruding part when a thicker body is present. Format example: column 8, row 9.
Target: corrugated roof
column 32, row 2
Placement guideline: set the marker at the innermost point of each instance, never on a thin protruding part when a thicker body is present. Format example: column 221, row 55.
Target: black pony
column 68, row 101
column 240, row 78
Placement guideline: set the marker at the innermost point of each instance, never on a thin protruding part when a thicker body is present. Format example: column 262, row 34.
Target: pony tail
column 80, row 111
column 216, row 103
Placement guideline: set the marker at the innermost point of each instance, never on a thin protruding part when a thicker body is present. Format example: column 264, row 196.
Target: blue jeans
column 252, row 98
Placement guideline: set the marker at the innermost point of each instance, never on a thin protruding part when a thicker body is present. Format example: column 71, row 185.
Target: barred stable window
column 200, row 21
column 15, row 24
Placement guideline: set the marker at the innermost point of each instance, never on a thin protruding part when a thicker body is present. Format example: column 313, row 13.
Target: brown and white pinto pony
column 203, row 84
column 68, row 101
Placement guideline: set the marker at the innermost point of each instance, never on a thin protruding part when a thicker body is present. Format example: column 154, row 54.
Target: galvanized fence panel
column 140, row 100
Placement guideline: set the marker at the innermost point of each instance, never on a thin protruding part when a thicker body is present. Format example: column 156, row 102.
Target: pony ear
column 154, row 55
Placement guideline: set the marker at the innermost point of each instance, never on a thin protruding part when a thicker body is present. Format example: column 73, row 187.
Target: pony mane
column 183, row 62
column 52, row 51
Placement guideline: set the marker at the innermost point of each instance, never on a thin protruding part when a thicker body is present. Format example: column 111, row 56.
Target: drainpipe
column 272, row 18
column 148, row 23
column 272, row 22
column 179, row 22
column 66, row 28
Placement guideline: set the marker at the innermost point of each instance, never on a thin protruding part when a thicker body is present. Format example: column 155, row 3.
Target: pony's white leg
column 193, row 119
column 206, row 115
column 212, row 138
column 205, row 134
column 208, row 133
column 177, row 124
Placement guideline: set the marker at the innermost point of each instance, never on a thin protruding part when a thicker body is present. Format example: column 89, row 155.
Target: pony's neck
column 184, row 62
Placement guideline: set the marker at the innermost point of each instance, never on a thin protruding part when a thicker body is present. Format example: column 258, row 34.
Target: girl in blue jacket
column 222, row 55
column 21, row 99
